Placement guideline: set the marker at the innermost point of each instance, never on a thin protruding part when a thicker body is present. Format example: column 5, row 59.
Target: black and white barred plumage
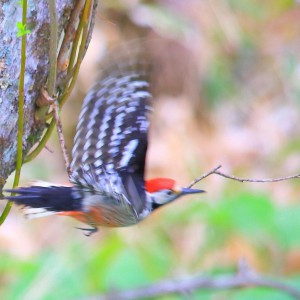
column 112, row 133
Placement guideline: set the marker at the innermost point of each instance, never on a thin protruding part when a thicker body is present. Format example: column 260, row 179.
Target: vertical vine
column 22, row 32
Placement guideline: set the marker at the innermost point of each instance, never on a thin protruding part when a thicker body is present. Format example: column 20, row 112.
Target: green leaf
column 22, row 29
column 288, row 226
column 126, row 272
column 248, row 214
column 260, row 293
column 101, row 260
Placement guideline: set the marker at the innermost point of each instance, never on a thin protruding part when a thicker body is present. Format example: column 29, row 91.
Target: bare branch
column 61, row 136
column 245, row 277
column 215, row 171
column 62, row 61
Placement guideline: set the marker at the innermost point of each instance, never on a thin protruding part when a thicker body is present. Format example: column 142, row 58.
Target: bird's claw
column 88, row 231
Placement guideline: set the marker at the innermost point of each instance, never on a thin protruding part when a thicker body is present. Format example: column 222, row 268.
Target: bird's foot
column 88, row 231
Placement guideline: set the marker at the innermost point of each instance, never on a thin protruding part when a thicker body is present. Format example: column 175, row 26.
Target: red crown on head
column 157, row 184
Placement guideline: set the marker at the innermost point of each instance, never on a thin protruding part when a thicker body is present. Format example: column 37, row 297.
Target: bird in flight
column 109, row 153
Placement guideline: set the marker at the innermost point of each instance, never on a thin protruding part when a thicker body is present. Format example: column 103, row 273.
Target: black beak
column 186, row 191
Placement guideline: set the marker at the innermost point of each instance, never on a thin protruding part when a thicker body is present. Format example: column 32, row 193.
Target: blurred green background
column 233, row 99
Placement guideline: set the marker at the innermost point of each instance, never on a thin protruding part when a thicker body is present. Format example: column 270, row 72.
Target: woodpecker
column 109, row 153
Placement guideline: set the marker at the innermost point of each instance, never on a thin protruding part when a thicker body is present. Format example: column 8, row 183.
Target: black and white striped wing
column 113, row 124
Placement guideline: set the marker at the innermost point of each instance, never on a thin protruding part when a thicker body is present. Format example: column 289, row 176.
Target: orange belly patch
column 96, row 216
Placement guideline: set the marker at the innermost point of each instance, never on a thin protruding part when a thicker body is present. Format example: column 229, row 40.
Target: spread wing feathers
column 113, row 124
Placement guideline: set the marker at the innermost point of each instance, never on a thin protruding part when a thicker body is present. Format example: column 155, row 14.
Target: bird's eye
column 169, row 193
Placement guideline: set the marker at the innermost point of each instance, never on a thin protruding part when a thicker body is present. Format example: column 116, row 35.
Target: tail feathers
column 33, row 213
column 43, row 201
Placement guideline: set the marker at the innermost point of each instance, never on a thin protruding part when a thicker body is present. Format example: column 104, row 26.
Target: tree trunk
column 37, row 68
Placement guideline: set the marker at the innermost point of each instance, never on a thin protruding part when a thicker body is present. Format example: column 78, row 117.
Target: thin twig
column 257, row 179
column 62, row 61
column 244, row 277
column 61, row 136
column 196, row 180
column 76, row 43
column 263, row 180
column 81, row 34
column 84, row 27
